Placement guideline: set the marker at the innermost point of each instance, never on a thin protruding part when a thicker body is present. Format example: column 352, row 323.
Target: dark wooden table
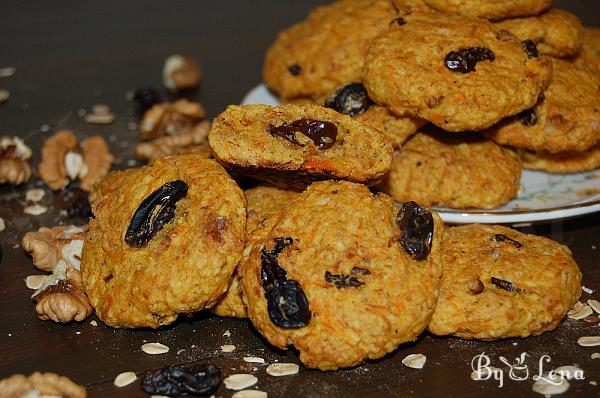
column 70, row 55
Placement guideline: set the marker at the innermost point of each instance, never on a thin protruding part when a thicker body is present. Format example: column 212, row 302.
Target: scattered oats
column 240, row 381
column 587, row 290
column 515, row 343
column 227, row 333
column 7, row 71
column 551, row 385
column 594, row 383
column 133, row 126
column 34, row 194
column 2, row 224
column 155, row 348
column 44, row 128
column 250, row 394
column 34, row 282
column 81, row 112
column 595, row 355
column 228, row 348
column 35, row 210
column 589, row 341
column 282, row 369
column 77, row 333
column 125, row 379
column 94, row 323
column 254, row 360
column 568, row 371
column 595, row 304
column 582, row 313
column 131, row 162
column 576, row 308
column 414, row 361
column 180, row 351
column 484, row 374
column 100, row 109
column 99, row 119
column 593, row 247
column 4, row 95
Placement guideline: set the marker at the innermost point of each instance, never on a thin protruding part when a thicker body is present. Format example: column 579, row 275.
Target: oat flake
column 250, row 394
column 282, row 369
column 584, row 312
column 254, row 360
column 2, row 224
column 34, row 282
column 240, row 381
column 35, row 210
column 155, row 348
column 414, row 361
column 589, row 341
column 595, row 304
column 587, row 290
column 34, row 194
column 228, row 348
column 125, row 379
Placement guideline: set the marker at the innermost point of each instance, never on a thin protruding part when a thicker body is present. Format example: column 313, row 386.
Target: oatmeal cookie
column 566, row 118
column 321, row 278
column 556, row 32
column 498, row 283
column 589, row 56
column 165, row 240
column 562, row 162
column 292, row 145
column 491, row 9
column 458, row 172
column 453, row 71
column 263, row 202
column 327, row 49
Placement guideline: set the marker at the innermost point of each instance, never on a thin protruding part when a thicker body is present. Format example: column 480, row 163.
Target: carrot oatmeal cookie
column 453, row 171
column 343, row 275
column 498, row 283
column 165, row 240
column 589, row 56
column 292, row 145
column 562, row 162
column 465, row 80
column 491, row 9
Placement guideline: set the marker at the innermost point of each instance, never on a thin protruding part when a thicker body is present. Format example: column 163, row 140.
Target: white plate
column 542, row 197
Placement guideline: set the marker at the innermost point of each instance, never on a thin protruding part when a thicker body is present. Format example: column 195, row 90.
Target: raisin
column 465, row 60
column 154, row 212
column 295, row 69
column 528, row 117
column 77, row 202
column 400, row 21
column 360, row 271
column 499, row 238
column 416, row 230
column 530, row 49
column 270, row 270
column 342, row 280
column 476, row 287
column 108, row 278
column 146, row 98
column 504, row 285
column 351, row 99
column 322, row 133
column 173, row 381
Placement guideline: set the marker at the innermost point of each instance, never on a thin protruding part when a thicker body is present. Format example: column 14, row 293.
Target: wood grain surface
column 70, row 55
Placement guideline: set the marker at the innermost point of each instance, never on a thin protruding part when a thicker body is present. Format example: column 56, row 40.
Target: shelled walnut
column 63, row 159
column 171, row 118
column 40, row 385
column 181, row 72
column 48, row 246
column 192, row 140
column 14, row 154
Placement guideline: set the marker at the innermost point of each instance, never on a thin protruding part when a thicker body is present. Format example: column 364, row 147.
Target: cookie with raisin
column 491, row 9
column 165, row 240
column 556, row 32
column 562, row 162
column 589, row 56
column 498, row 283
column 327, row 49
column 263, row 202
column 566, row 117
column 290, row 146
column 343, row 275
column 458, row 171
column 456, row 72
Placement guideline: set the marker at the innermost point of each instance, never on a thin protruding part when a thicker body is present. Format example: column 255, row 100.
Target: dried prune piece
column 322, row 133
column 154, row 212
column 343, row 280
column 174, row 381
column 504, row 285
column 351, row 99
column 287, row 305
column 146, row 98
column 499, row 238
column 465, row 59
column 416, row 230
column 295, row 69
column 530, row 49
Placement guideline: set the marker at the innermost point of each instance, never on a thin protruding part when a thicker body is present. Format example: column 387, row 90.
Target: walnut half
column 14, row 154
column 194, row 139
column 40, row 385
column 171, row 118
column 48, row 246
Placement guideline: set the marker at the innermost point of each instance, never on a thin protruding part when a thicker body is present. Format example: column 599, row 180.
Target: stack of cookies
column 379, row 95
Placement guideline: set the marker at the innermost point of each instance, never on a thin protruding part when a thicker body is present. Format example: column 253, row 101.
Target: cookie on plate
column 498, row 282
column 263, row 202
column 556, row 32
column 327, row 49
column 566, row 117
column 165, row 240
column 290, row 146
column 322, row 277
column 491, row 9
column 562, row 162
column 456, row 72
column 589, row 56
column 453, row 171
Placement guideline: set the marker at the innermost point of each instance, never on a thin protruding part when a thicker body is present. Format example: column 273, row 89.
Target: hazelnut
column 194, row 139
column 171, row 118
column 181, row 72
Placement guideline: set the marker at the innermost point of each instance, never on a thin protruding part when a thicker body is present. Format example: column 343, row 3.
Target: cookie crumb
column 155, row 348
column 414, row 361
column 240, row 381
column 125, row 379
column 35, row 210
column 282, row 369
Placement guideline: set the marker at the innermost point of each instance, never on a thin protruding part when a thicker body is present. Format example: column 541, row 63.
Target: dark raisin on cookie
column 351, row 99
column 465, row 60
column 400, row 21
column 504, row 285
column 530, row 49
column 499, row 238
column 322, row 133
column 295, row 69
column 343, row 280
column 416, row 230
